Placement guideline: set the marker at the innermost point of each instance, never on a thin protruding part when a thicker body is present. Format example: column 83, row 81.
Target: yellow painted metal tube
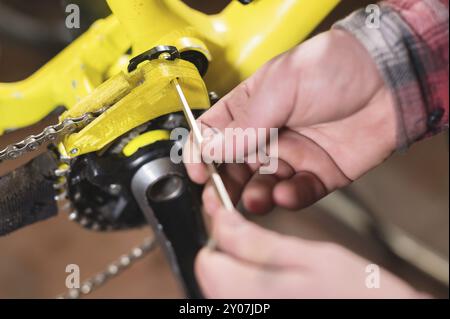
column 65, row 79
column 241, row 38
column 238, row 41
column 149, row 23
column 254, row 34
column 146, row 22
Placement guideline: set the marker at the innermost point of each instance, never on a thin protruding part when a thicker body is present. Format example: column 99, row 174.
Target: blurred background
column 397, row 215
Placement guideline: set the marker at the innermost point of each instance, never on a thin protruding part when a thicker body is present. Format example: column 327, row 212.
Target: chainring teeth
column 75, row 191
column 86, row 218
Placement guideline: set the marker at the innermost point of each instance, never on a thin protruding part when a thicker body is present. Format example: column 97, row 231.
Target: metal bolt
column 213, row 97
column 115, row 189
column 165, row 56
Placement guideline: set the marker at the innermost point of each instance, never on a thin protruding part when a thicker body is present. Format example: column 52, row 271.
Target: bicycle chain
column 49, row 134
column 88, row 222
column 115, row 268
column 112, row 271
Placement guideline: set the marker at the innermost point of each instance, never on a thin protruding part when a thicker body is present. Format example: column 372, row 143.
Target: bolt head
column 164, row 56
column 115, row 189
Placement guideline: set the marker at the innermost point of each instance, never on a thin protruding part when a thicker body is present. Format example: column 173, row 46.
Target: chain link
column 49, row 134
column 113, row 270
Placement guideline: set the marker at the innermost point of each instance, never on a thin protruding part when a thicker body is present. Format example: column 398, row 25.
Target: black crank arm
column 170, row 203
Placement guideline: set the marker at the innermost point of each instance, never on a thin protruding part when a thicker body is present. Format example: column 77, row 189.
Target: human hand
column 335, row 116
column 256, row 263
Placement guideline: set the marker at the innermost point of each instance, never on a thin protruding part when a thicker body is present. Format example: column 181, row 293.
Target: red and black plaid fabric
column 410, row 47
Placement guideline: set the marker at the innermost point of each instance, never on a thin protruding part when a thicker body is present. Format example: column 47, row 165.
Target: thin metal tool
column 198, row 140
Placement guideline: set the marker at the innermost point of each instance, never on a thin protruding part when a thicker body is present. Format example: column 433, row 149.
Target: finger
column 257, row 195
column 251, row 243
column 210, row 199
column 195, row 168
column 312, row 158
column 235, row 105
column 299, row 191
column 244, row 181
column 192, row 157
column 235, row 177
column 221, row 276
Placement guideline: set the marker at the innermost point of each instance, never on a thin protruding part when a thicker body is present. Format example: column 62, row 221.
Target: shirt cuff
column 415, row 72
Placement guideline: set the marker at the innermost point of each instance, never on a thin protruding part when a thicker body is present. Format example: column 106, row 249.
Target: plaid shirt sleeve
column 410, row 47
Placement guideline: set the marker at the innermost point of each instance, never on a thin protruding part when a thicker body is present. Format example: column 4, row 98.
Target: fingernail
column 212, row 147
column 210, row 201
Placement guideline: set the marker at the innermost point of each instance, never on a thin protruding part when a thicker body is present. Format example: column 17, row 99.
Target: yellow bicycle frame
column 237, row 42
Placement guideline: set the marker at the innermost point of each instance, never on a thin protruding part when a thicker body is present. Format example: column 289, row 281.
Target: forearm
column 410, row 48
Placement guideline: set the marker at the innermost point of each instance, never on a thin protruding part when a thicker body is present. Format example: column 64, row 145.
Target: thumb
column 254, row 244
